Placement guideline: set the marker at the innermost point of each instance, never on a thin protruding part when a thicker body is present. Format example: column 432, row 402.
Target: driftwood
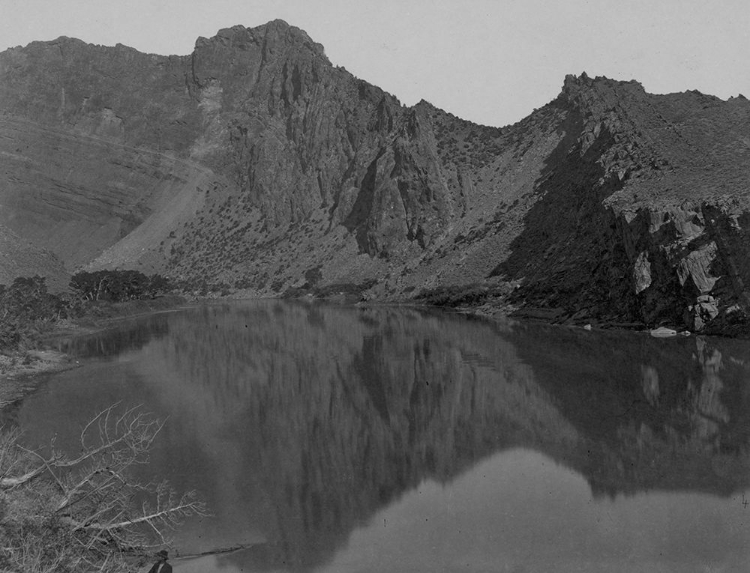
column 93, row 493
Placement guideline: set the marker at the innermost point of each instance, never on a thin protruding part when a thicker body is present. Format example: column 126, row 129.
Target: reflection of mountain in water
column 341, row 411
column 315, row 417
column 665, row 414
column 130, row 334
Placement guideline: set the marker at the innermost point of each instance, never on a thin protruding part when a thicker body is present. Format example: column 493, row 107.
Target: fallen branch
column 86, row 507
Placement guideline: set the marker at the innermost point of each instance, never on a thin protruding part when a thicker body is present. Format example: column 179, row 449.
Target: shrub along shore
column 30, row 315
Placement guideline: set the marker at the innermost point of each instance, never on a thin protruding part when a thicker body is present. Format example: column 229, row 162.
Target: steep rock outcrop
column 688, row 260
column 283, row 136
column 631, row 226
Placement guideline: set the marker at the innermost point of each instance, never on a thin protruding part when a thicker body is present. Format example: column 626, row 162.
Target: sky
column 488, row 61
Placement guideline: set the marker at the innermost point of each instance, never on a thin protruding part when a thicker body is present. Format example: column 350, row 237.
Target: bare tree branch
column 11, row 482
column 92, row 502
column 165, row 516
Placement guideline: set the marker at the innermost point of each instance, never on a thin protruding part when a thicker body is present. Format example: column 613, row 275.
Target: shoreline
column 21, row 371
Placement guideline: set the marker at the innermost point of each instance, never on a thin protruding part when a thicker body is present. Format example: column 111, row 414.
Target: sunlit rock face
column 255, row 163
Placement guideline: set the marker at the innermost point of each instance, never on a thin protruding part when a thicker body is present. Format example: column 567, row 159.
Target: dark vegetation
column 28, row 310
column 117, row 286
column 453, row 296
column 332, row 290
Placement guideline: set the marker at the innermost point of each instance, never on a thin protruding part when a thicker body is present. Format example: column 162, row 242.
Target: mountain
column 256, row 165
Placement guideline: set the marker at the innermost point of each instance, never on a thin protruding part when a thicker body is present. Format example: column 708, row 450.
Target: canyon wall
column 255, row 166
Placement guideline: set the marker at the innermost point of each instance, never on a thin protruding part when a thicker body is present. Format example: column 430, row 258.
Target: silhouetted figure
column 161, row 566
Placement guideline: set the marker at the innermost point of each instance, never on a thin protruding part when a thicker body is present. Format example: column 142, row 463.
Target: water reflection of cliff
column 342, row 411
column 664, row 414
column 129, row 334
column 314, row 417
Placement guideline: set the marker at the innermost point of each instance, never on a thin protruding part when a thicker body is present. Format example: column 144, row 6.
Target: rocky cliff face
column 642, row 219
column 254, row 164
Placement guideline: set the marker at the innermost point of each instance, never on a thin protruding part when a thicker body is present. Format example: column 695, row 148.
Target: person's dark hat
column 162, row 553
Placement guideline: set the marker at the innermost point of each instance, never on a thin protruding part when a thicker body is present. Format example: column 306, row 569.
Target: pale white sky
column 488, row 61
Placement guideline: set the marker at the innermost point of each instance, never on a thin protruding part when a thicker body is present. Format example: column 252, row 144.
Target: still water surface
column 339, row 439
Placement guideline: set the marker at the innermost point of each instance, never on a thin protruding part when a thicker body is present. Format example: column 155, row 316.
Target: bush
column 462, row 295
column 27, row 310
column 117, row 286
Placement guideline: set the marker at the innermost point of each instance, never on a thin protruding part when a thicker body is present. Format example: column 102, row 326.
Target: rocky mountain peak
column 275, row 36
column 240, row 61
column 599, row 92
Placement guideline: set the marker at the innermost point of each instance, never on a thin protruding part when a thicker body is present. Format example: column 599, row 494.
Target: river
column 333, row 439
